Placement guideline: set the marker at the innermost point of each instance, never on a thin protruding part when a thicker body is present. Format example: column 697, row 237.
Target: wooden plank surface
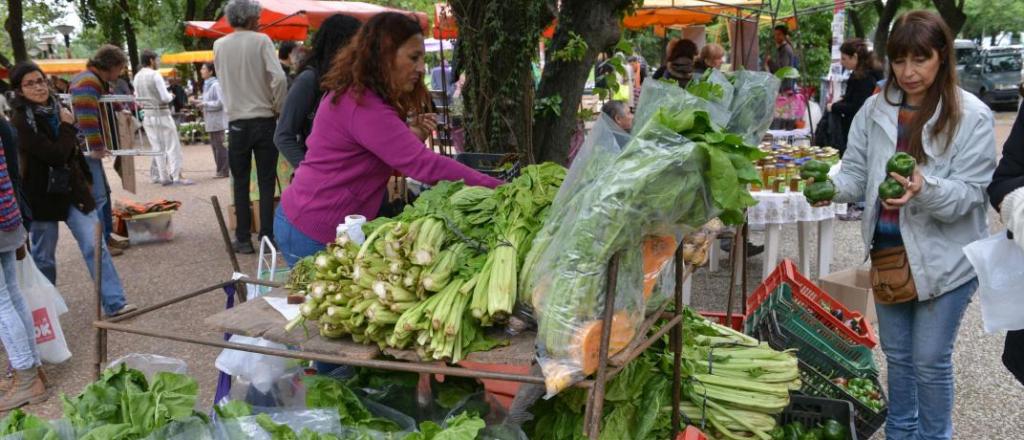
column 258, row 319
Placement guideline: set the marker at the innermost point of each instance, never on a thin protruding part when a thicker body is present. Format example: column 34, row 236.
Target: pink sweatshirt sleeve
column 378, row 128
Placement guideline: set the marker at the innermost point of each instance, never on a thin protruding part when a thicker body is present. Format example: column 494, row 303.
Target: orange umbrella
column 58, row 67
column 665, row 13
column 198, row 56
column 292, row 19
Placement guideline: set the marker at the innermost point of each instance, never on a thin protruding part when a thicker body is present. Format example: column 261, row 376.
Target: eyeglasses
column 37, row 83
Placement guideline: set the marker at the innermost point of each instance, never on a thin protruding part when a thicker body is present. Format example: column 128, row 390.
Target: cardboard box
column 255, row 207
column 852, row 288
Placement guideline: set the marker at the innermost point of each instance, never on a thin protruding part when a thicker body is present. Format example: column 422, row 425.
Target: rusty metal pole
column 743, row 265
column 677, row 343
column 100, row 344
column 240, row 287
column 595, row 405
column 738, row 247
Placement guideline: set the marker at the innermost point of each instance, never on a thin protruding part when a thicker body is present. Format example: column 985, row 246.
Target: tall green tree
column 989, row 17
column 14, row 25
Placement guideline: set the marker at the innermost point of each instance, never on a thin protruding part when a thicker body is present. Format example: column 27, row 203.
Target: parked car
column 994, row 74
column 965, row 50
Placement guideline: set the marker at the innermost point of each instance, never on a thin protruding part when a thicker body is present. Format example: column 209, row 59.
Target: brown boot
column 26, row 388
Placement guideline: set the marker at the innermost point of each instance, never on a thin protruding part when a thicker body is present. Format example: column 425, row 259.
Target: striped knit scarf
column 10, row 217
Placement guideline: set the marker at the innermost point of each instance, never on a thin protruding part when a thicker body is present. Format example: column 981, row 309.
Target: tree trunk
column 129, row 35
column 15, row 28
column 497, row 42
column 952, row 12
column 858, row 27
column 884, row 21
column 596, row 23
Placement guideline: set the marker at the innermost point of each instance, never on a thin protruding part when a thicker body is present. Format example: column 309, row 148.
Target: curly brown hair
column 367, row 63
column 108, row 57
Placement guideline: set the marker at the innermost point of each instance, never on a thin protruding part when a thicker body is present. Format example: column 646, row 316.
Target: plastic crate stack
column 814, row 411
column 790, row 312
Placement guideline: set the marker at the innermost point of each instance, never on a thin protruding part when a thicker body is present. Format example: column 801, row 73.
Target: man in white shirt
column 158, row 122
column 254, row 87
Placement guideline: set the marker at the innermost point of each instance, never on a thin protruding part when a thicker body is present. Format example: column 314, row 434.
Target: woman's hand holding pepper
column 912, row 186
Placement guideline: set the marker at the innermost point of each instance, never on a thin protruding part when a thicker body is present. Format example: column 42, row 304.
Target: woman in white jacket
column 215, row 118
column 950, row 133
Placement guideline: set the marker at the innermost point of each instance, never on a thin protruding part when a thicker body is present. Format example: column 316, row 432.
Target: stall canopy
column 446, row 28
column 667, row 13
column 292, row 19
column 167, row 72
column 199, row 56
column 60, row 67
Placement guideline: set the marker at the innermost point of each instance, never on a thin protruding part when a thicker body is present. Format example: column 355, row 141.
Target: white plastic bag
column 259, row 369
column 999, row 263
column 31, row 278
column 150, row 364
column 46, row 305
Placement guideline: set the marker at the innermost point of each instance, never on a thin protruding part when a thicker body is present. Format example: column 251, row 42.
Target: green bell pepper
column 890, row 189
column 777, row 433
column 902, row 164
column 810, row 435
column 820, row 191
column 816, row 170
column 834, row 430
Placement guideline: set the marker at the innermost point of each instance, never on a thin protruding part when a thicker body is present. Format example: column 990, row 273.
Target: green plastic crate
column 803, row 325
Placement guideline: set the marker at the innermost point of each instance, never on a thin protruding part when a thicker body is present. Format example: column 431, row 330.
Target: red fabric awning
column 292, row 19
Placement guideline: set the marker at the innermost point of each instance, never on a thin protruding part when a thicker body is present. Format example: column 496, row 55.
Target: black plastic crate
column 814, row 411
column 488, row 164
column 816, row 370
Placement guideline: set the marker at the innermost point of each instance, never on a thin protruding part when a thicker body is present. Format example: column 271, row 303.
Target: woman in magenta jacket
column 360, row 136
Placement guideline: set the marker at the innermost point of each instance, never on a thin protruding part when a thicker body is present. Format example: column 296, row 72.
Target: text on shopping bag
column 44, row 329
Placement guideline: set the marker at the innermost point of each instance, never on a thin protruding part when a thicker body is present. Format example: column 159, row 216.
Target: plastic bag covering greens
column 744, row 103
column 251, row 428
column 680, row 171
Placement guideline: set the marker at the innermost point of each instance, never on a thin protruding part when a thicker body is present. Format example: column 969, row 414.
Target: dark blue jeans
column 101, row 192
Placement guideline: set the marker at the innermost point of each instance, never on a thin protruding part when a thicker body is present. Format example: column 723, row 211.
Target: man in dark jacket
column 1006, row 192
column 785, row 56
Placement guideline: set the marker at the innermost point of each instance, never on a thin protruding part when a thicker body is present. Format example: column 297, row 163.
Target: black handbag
column 58, row 180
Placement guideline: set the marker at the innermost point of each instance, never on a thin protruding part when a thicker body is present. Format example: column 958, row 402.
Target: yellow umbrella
column 167, row 71
column 199, row 56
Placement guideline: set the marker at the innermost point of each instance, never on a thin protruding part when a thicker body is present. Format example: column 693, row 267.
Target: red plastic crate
column 719, row 318
column 810, row 297
column 691, row 433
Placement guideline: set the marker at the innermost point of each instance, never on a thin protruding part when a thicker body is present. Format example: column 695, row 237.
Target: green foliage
column 552, row 105
column 574, row 50
column 989, row 17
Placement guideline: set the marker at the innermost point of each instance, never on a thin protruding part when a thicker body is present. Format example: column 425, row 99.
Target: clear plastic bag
column 192, row 428
column 638, row 202
column 285, row 391
column 150, row 364
column 247, row 428
column 259, row 369
column 753, row 104
column 997, row 261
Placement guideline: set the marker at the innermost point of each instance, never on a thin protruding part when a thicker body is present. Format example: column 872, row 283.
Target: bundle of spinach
column 465, row 426
column 680, row 171
column 325, row 392
column 124, row 405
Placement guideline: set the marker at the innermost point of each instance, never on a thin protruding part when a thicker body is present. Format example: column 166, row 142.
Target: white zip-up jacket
column 950, row 212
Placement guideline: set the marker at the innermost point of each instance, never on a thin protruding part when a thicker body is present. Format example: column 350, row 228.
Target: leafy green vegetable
column 465, row 426
column 284, row 432
column 325, row 392
column 124, row 405
column 233, row 410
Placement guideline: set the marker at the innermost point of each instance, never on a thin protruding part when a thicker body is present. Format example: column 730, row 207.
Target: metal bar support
column 677, row 342
column 99, row 357
column 595, row 406
column 240, row 291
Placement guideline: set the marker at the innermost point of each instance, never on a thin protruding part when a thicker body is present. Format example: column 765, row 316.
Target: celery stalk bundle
column 418, row 279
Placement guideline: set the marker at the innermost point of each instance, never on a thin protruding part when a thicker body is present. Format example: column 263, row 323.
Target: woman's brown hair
column 919, row 34
column 856, row 46
column 367, row 63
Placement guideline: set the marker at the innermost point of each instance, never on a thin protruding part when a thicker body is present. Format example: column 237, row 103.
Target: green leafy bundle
column 29, row 426
column 732, row 385
column 127, row 406
column 431, row 278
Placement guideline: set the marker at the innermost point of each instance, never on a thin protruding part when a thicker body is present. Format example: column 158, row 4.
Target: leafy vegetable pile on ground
column 732, row 385
column 432, row 277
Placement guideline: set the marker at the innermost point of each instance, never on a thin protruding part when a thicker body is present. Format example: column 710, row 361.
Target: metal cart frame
column 596, row 386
